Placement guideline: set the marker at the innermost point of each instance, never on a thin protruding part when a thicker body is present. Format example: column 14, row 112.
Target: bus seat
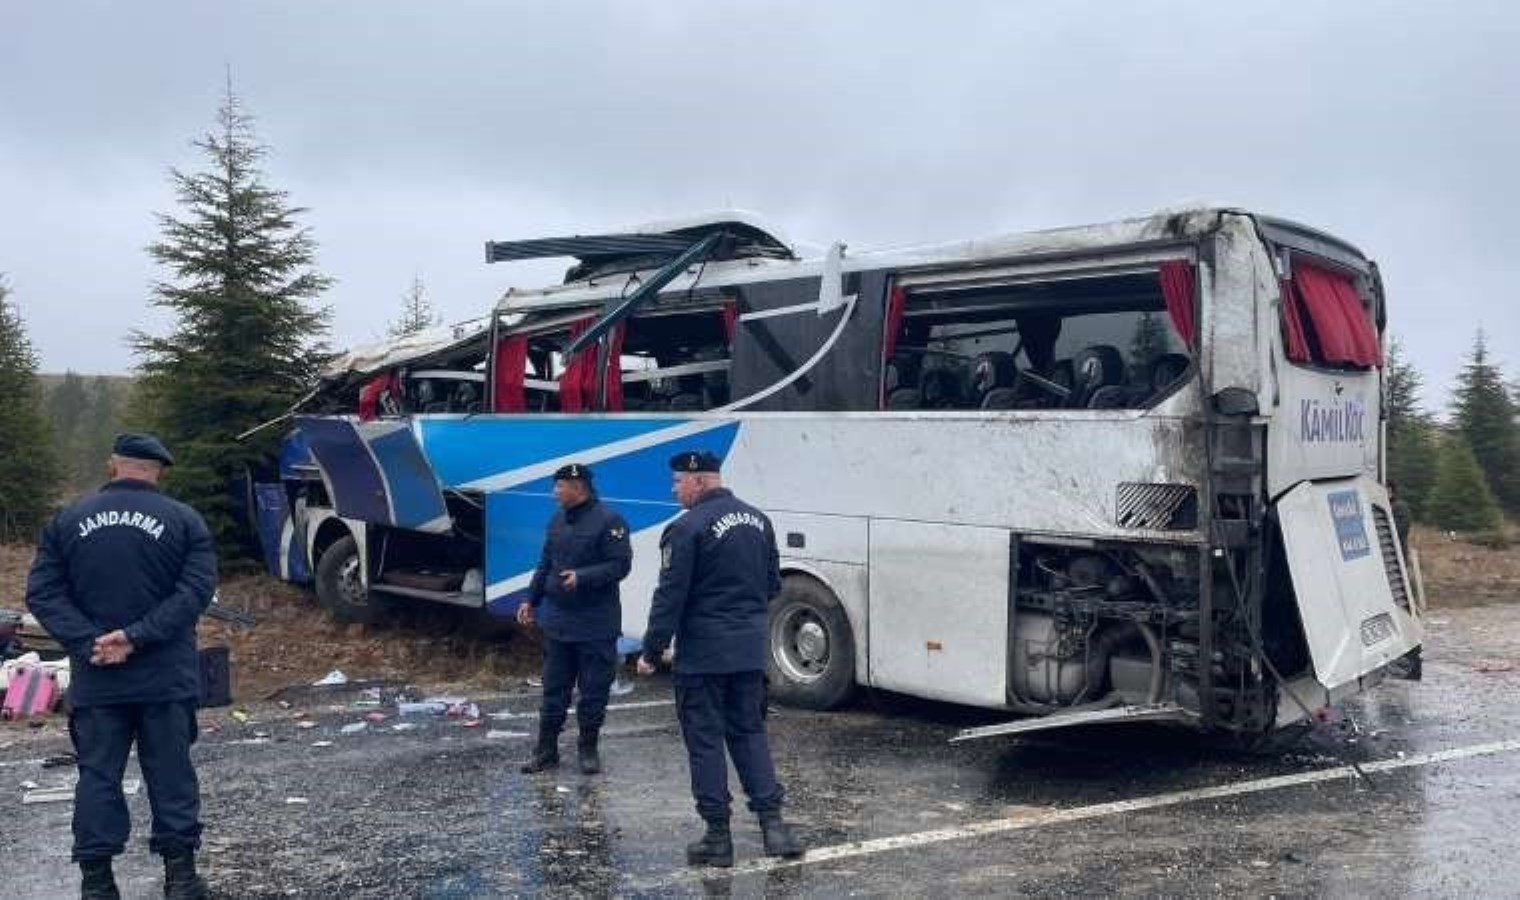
column 991, row 371
column 940, row 389
column 902, row 372
column 1001, row 398
column 1109, row 396
column 1098, row 366
column 1167, row 370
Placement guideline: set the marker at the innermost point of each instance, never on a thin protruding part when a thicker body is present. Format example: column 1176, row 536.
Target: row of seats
column 1095, row 378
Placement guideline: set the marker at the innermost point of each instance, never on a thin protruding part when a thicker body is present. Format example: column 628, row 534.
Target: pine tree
column 1485, row 417
column 1148, row 342
column 1412, row 447
column 28, row 466
column 416, row 312
column 249, row 339
column 1460, row 499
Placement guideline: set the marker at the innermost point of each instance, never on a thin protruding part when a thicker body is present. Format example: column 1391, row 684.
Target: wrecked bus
column 1125, row 471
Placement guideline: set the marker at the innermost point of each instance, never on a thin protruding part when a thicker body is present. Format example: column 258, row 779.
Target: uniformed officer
column 119, row 580
column 574, row 599
column 719, row 570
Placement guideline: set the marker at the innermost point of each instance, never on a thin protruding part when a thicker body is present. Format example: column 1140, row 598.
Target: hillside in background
column 85, row 412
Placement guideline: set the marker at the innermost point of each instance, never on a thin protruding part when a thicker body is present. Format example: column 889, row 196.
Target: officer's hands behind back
column 111, row 649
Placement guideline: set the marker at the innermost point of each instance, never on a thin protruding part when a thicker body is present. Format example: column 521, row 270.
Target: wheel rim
column 801, row 643
column 350, row 586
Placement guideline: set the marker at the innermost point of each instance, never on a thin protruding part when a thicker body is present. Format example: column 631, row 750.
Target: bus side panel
column 939, row 611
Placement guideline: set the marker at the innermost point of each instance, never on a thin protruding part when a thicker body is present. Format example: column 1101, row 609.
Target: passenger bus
column 1123, row 471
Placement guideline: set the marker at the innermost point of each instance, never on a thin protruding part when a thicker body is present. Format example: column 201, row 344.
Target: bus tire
column 340, row 585
column 811, row 663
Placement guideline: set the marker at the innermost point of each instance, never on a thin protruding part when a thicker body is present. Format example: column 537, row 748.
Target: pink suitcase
column 32, row 692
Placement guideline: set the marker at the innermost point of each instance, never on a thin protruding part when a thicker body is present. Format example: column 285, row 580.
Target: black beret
column 695, row 461
column 573, row 470
column 141, row 446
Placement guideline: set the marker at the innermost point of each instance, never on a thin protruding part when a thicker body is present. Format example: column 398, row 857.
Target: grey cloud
column 417, row 131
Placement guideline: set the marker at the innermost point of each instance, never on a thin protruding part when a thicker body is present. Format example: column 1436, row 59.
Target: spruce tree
column 1485, row 417
column 249, row 336
column 28, row 465
column 1460, row 499
column 1412, row 447
column 416, row 312
column 1148, row 342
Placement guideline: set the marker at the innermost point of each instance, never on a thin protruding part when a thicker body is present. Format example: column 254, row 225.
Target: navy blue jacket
column 592, row 539
column 127, row 558
column 719, row 570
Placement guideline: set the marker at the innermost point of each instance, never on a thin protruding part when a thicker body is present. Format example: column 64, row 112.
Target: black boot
column 180, row 880
column 545, row 755
column 591, row 760
column 779, row 839
column 716, row 848
column 96, row 881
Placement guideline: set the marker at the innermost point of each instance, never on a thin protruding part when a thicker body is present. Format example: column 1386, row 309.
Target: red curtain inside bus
column 370, row 394
column 577, row 384
column 510, row 362
column 1295, row 335
column 1177, row 288
column 892, row 328
column 1343, row 330
column 731, row 320
column 614, row 367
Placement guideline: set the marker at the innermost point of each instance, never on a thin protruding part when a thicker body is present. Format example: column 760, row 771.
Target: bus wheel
column 812, row 652
column 340, row 585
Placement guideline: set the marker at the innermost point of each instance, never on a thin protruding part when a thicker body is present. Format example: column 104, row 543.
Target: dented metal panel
column 1341, row 579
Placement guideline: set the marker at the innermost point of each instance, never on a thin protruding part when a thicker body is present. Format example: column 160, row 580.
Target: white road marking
column 1041, row 818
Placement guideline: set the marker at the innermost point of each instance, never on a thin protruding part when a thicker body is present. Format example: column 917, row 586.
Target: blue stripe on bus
column 414, row 491
column 636, row 484
column 466, row 450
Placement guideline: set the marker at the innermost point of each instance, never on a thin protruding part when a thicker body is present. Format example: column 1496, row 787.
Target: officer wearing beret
column 120, row 579
column 574, row 599
column 719, row 569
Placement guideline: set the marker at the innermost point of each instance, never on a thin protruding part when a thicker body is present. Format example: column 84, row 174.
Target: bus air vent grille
column 1387, row 545
column 1157, row 507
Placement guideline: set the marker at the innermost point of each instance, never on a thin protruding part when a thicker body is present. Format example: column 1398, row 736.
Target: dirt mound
column 1459, row 573
column 295, row 642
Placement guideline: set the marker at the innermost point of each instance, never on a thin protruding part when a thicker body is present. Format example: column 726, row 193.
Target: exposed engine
column 1097, row 627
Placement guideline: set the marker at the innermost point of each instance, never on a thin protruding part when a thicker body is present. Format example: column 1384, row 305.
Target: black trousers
column 719, row 711
column 103, row 737
column 589, row 665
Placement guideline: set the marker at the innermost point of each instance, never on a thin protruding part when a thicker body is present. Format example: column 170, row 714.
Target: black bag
column 216, row 677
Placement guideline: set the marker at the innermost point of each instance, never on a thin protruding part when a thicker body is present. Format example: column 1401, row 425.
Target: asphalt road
column 888, row 806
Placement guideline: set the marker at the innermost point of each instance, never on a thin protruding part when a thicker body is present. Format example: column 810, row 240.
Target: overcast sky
column 414, row 132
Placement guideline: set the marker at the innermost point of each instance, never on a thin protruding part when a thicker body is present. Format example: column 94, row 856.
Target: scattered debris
column 403, row 726
column 495, row 734
column 353, row 728
column 621, row 688
column 322, row 744
column 534, row 681
column 239, row 716
column 332, row 678
column 48, row 795
column 377, row 717
column 60, row 761
column 471, row 723
column 306, row 723
column 296, row 801
column 1492, row 666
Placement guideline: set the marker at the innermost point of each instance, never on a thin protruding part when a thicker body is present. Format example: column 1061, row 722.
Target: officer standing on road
column 574, row 599
column 119, row 580
column 719, row 569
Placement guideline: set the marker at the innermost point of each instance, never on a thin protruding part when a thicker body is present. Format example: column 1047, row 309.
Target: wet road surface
column 440, row 811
